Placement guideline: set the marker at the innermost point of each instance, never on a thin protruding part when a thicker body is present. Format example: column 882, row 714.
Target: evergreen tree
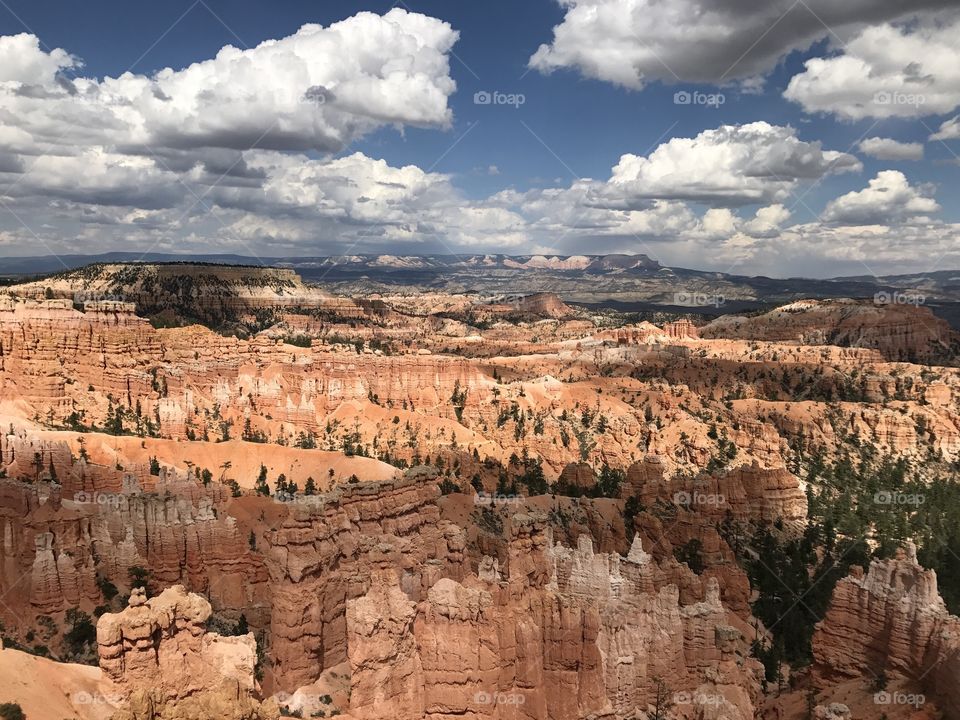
column 261, row 487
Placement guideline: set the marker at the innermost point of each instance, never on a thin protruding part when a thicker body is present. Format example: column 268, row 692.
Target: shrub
column 11, row 711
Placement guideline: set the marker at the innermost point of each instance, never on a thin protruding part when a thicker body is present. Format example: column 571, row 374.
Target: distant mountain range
column 41, row 264
column 626, row 282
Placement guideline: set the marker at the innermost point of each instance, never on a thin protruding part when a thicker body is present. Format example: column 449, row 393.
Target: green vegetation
column 459, row 400
column 80, row 639
column 795, row 585
column 261, row 487
column 691, row 555
column 861, row 506
column 306, row 441
column 531, row 474
column 866, row 496
column 607, row 485
column 107, row 589
column 139, row 577
column 447, row 486
column 225, row 626
column 300, row 340
column 11, row 711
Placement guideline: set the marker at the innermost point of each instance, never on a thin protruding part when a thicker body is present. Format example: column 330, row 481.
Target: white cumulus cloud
column 318, row 89
column 635, row 42
column 890, row 149
column 732, row 164
column 888, row 198
column 949, row 130
column 887, row 70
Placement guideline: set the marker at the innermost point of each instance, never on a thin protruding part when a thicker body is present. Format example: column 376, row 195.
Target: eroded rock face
column 391, row 684
column 44, row 342
column 682, row 328
column 158, row 654
column 325, row 554
column 182, row 534
column 74, row 368
column 833, row 711
column 226, row 702
column 164, row 639
column 371, row 575
column 566, row 634
column 746, row 493
column 891, row 619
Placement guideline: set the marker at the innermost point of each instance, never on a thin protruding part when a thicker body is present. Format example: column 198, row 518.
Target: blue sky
column 500, row 163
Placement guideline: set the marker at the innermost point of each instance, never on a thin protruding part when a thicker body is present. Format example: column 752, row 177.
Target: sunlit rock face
column 891, row 619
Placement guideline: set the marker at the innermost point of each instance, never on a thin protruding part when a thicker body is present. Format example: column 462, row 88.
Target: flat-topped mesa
column 896, row 331
column 891, row 619
column 531, row 306
column 158, row 654
column 207, row 292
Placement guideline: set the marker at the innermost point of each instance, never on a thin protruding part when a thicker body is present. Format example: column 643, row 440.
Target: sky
column 785, row 138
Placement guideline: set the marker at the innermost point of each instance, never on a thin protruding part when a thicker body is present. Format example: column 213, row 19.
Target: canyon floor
column 229, row 493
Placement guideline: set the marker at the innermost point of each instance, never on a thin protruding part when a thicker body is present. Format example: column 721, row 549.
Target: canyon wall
column 325, row 552
column 57, row 552
column 891, row 620
column 558, row 633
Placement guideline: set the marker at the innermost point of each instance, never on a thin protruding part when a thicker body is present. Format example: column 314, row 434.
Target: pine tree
column 261, row 486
